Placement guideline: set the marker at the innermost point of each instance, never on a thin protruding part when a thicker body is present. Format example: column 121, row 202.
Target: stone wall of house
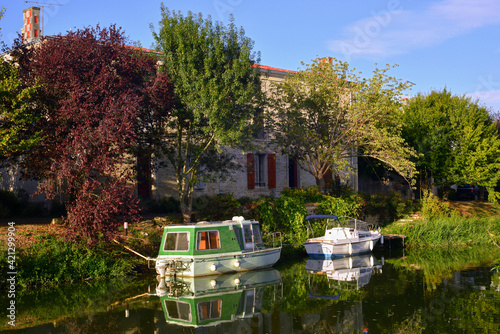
column 164, row 183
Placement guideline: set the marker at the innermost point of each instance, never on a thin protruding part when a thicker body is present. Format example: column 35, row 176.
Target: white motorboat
column 344, row 236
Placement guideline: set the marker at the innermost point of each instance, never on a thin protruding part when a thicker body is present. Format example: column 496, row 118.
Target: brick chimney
column 31, row 29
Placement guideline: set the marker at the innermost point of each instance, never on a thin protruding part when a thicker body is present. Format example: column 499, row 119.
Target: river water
column 415, row 291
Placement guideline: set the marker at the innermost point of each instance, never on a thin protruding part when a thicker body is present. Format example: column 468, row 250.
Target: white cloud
column 468, row 13
column 395, row 30
column 488, row 98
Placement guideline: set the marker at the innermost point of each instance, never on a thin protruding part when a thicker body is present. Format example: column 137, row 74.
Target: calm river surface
column 431, row 291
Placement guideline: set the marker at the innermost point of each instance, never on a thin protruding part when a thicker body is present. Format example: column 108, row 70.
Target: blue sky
column 436, row 44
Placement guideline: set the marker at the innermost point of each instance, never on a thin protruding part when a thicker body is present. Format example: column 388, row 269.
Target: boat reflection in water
column 355, row 270
column 211, row 300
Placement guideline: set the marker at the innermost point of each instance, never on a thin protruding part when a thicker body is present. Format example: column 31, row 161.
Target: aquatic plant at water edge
column 54, row 261
column 451, row 231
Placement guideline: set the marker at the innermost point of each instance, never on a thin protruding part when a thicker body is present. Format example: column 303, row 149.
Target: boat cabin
column 205, row 238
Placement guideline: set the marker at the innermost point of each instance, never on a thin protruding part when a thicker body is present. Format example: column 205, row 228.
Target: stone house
column 260, row 173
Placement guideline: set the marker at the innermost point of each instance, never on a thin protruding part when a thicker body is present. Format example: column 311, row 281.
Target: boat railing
column 357, row 224
column 274, row 239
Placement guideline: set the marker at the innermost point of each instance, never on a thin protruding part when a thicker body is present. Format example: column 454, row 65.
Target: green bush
column 54, row 260
column 386, row 207
column 306, row 195
column 219, row 207
column 433, row 207
column 164, row 205
column 285, row 214
column 340, row 206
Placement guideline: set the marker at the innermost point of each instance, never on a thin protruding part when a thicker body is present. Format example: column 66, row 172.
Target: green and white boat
column 211, row 300
column 208, row 248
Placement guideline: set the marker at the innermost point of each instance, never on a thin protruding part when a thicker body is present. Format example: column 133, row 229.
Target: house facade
column 260, row 173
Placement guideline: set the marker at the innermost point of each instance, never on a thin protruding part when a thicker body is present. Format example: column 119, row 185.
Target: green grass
column 448, row 231
column 53, row 260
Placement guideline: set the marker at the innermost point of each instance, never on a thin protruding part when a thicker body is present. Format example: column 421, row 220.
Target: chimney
column 31, row 29
column 325, row 60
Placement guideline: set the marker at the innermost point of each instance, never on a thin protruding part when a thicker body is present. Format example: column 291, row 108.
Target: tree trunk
column 185, row 200
column 320, row 182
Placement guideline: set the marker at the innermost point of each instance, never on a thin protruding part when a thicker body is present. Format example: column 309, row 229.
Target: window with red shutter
column 271, row 170
column 251, row 171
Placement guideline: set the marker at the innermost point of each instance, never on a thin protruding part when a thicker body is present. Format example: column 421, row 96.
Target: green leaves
column 16, row 119
column 327, row 114
column 217, row 93
column 456, row 139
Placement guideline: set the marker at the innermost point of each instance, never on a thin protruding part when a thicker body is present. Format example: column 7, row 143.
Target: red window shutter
column 251, row 170
column 271, row 170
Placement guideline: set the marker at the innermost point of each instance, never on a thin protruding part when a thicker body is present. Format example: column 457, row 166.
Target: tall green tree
column 16, row 121
column 327, row 114
column 456, row 140
column 217, row 94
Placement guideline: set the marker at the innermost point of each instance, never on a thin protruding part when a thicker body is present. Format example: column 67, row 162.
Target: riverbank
column 453, row 231
column 42, row 257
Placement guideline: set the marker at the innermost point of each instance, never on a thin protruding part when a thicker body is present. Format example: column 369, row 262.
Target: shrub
column 433, row 207
column 340, row 206
column 387, row 207
column 219, row 207
column 306, row 195
column 54, row 260
column 164, row 205
column 285, row 214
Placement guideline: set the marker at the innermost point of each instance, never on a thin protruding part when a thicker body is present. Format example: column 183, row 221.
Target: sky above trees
column 437, row 44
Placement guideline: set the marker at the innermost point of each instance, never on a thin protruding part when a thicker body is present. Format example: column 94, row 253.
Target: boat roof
column 322, row 217
column 235, row 220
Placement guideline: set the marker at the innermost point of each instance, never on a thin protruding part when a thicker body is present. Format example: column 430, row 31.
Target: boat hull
column 329, row 248
column 194, row 266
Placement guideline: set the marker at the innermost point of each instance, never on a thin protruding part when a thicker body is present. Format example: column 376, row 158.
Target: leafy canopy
column 217, row 94
column 455, row 138
column 15, row 119
column 327, row 114
column 96, row 96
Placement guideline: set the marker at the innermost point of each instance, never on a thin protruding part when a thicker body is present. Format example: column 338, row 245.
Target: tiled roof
column 264, row 67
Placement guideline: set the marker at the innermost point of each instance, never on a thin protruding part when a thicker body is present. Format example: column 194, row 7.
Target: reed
column 449, row 231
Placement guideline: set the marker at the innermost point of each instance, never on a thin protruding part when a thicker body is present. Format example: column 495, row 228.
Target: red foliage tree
column 99, row 99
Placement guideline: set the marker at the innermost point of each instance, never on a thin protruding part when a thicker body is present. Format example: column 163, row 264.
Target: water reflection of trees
column 297, row 284
column 79, row 305
column 438, row 264
column 461, row 304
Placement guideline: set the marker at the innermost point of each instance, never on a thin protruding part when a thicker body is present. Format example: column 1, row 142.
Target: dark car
column 467, row 191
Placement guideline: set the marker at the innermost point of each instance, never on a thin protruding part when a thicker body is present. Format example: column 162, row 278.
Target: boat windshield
column 256, row 234
column 331, row 223
column 251, row 235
